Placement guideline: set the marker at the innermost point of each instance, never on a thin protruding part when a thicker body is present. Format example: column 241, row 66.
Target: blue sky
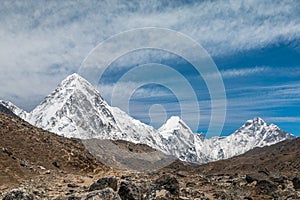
column 254, row 44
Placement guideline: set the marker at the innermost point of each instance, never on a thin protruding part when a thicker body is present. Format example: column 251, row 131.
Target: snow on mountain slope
column 134, row 130
column 75, row 109
column 254, row 133
column 16, row 110
column 191, row 147
column 178, row 139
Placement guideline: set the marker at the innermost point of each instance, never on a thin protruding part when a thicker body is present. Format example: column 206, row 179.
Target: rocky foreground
column 165, row 184
column 36, row 164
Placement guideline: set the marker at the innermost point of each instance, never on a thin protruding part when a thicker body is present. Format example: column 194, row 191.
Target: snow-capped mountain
column 16, row 110
column 134, row 130
column 178, row 139
column 76, row 109
column 254, row 133
column 188, row 146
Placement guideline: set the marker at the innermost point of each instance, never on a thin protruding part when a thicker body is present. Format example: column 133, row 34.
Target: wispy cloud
column 239, row 72
column 42, row 42
column 283, row 119
column 243, row 72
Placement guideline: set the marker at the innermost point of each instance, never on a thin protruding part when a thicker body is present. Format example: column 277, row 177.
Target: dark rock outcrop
column 105, row 182
column 129, row 191
column 168, row 183
column 18, row 194
column 265, row 187
column 105, row 194
column 296, row 183
column 255, row 177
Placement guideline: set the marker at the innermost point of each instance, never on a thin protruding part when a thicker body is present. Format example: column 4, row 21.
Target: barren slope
column 27, row 151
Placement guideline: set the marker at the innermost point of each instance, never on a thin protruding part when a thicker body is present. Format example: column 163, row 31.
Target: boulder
column 56, row 164
column 105, row 182
column 255, row 177
column 168, row 183
column 105, row 194
column 129, row 191
column 17, row 194
column 296, row 183
column 264, row 187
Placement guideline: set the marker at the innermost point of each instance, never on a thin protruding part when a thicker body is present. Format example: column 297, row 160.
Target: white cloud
column 283, row 119
column 42, row 42
column 239, row 72
column 243, row 72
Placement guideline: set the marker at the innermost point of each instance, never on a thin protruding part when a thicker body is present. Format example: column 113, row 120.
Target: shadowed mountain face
column 5, row 110
column 27, row 151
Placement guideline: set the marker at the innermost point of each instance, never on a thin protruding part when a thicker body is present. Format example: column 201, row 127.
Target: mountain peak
column 75, row 109
column 74, row 80
column 74, row 76
column 15, row 109
column 257, row 121
column 173, row 123
column 261, row 133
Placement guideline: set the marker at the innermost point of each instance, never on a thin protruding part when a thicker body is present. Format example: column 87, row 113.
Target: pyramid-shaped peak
column 74, row 77
column 174, row 123
column 73, row 88
column 74, row 80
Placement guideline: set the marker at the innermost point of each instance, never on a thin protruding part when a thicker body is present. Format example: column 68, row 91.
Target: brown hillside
column 27, row 151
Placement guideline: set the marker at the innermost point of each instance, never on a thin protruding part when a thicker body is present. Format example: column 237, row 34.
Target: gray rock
column 168, row 183
column 255, row 177
column 105, row 194
column 56, row 164
column 190, row 184
column 104, row 183
column 278, row 179
column 296, row 183
column 18, row 194
column 129, row 191
column 265, row 187
column 72, row 185
column 162, row 194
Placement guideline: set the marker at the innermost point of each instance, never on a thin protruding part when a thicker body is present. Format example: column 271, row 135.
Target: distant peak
column 74, row 76
column 174, row 122
column 258, row 120
column 255, row 121
column 74, row 80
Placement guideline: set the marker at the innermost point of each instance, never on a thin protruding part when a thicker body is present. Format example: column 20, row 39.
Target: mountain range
column 76, row 109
